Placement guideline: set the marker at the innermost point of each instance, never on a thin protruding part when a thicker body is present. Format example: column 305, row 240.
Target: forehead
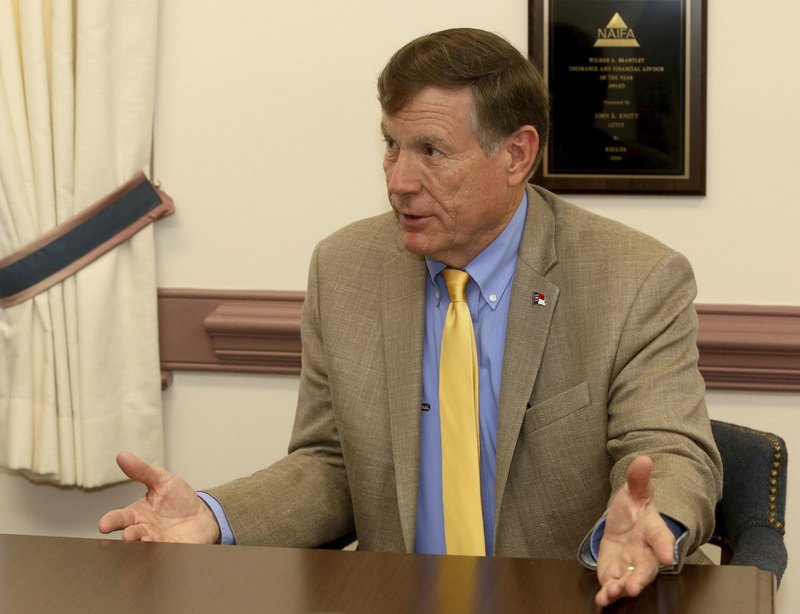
column 434, row 110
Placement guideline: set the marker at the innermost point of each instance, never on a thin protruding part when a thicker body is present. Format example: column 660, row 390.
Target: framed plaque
column 628, row 94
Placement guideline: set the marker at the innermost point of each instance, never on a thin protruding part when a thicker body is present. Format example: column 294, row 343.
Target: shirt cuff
column 591, row 547
column 225, row 532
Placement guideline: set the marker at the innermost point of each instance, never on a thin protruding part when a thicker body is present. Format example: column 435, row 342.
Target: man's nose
column 402, row 176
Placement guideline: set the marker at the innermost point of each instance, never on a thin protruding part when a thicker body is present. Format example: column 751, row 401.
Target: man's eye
column 431, row 151
column 390, row 144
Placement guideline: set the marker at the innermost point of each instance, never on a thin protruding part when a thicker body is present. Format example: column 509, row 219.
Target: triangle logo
column 616, row 34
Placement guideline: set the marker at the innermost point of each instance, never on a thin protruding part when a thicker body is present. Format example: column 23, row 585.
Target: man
column 591, row 405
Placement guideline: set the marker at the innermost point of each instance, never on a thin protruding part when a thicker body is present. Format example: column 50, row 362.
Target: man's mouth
column 411, row 221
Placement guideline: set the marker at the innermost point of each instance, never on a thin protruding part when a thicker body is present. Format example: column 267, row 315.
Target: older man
column 584, row 414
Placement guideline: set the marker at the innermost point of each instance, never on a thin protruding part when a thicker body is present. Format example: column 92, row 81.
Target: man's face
column 450, row 198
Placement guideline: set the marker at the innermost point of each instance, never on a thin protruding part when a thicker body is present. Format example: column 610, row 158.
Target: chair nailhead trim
column 774, row 475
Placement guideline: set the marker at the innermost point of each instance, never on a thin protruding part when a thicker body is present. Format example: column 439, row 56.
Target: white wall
column 267, row 138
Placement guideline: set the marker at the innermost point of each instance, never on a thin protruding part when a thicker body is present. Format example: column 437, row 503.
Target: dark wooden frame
column 693, row 180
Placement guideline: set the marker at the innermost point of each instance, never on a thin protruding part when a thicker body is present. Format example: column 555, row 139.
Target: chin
column 413, row 244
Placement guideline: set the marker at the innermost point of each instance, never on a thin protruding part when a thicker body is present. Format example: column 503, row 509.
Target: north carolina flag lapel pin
column 538, row 298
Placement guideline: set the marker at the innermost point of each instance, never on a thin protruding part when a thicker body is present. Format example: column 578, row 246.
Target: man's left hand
column 636, row 538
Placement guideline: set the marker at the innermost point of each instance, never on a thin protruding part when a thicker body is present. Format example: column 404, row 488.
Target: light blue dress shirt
column 488, row 297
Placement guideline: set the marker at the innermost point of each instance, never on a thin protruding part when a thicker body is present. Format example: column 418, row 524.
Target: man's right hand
column 171, row 511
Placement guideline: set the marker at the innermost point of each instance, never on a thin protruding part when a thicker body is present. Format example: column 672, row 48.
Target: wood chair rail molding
column 742, row 347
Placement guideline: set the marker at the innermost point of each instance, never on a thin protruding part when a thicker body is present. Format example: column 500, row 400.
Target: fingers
column 626, row 581
column 136, row 469
column 638, row 477
column 116, row 520
column 137, row 532
column 125, row 520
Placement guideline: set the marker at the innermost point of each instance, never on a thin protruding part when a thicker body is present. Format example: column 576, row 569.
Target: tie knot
column 456, row 281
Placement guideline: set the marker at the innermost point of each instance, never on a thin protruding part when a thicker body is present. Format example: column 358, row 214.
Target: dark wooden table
column 56, row 574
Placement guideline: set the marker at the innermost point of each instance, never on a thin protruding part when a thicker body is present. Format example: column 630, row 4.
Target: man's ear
column 521, row 149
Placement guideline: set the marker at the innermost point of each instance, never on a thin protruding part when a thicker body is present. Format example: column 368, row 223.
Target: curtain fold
column 79, row 367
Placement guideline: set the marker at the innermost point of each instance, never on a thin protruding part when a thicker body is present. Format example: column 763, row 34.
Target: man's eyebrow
column 422, row 139
column 430, row 139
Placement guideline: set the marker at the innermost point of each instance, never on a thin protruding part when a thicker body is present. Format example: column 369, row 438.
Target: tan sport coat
column 605, row 370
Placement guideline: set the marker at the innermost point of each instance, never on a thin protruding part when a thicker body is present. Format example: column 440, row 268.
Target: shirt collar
column 493, row 268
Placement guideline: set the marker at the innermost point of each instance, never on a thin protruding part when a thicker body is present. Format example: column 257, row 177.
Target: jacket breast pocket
column 555, row 408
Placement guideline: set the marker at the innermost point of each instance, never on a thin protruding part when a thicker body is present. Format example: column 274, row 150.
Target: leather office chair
column 750, row 517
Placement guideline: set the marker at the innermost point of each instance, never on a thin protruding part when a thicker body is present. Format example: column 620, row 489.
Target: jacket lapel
column 526, row 334
column 403, row 316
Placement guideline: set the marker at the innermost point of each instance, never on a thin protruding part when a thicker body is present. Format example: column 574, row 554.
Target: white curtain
column 79, row 368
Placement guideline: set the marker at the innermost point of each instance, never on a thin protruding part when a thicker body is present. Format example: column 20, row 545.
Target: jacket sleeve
column 656, row 401
column 303, row 500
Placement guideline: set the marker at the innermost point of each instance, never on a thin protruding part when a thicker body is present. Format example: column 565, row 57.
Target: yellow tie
column 458, row 414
